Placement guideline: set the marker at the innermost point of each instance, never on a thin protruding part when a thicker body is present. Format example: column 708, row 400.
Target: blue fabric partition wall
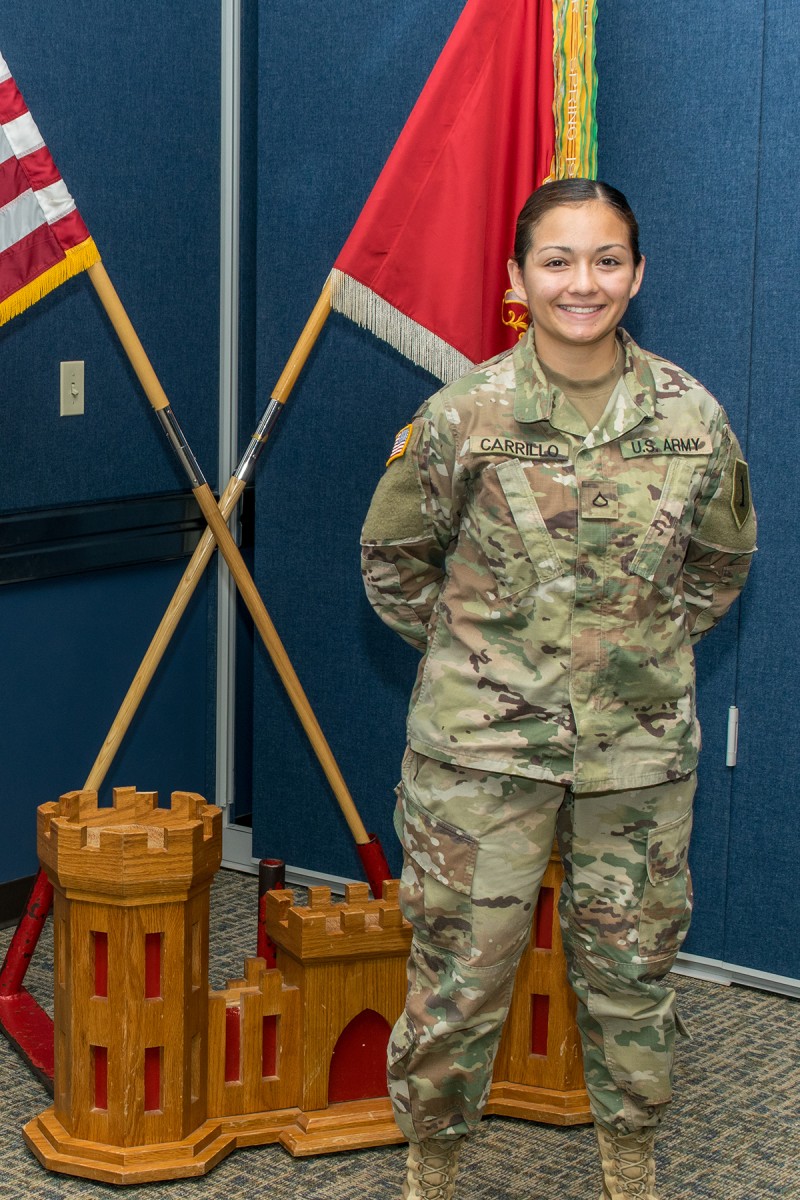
column 692, row 125
column 763, row 909
column 71, row 647
column 127, row 99
column 697, row 112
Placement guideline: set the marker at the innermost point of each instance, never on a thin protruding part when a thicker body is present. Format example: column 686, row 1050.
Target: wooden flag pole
column 230, row 551
column 161, row 639
column 205, row 547
column 368, row 846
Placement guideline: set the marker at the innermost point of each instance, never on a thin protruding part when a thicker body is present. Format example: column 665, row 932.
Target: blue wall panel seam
column 759, row 155
column 748, row 406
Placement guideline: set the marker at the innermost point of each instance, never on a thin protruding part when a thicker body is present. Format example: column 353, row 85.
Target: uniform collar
column 633, row 401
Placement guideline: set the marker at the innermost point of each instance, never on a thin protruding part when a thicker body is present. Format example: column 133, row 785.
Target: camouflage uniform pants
column 476, row 846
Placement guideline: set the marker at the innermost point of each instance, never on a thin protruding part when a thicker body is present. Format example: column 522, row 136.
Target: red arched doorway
column 358, row 1065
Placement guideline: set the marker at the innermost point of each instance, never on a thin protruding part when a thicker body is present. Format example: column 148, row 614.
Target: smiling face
column 577, row 280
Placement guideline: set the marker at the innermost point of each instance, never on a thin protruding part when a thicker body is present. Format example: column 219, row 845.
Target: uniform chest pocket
column 515, row 537
column 661, row 552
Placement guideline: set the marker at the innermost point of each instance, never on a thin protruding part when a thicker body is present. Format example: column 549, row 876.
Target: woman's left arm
column 723, row 538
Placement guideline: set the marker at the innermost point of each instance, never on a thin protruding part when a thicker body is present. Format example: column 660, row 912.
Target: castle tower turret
column 131, row 918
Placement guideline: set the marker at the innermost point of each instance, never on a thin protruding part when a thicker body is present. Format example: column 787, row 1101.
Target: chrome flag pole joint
column 183, row 451
column 258, row 441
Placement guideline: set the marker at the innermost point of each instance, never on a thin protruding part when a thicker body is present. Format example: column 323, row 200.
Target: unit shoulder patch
column 741, row 501
column 648, row 447
column 400, row 443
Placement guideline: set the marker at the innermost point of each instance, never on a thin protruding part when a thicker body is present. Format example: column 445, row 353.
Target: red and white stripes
column 43, row 240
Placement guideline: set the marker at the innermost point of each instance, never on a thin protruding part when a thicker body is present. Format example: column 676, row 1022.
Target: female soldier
column 553, row 532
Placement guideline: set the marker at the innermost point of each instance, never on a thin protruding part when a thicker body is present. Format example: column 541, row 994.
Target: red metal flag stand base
column 373, row 860
column 29, row 1030
column 22, row 1020
column 271, row 876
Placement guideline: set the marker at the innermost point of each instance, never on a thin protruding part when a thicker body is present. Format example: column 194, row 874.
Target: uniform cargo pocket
column 401, row 1041
column 660, row 555
column 667, row 900
column 638, row 1039
column 518, row 546
column 436, row 884
column 442, row 850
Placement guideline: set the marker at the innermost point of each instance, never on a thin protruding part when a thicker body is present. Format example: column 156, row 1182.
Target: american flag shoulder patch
column 400, row 444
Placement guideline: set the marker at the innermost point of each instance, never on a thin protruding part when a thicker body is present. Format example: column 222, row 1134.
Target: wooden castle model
column 156, row 1077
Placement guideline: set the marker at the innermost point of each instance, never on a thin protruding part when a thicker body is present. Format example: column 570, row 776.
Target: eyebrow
column 598, row 249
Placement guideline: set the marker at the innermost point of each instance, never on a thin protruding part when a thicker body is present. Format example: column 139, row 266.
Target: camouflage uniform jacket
column 556, row 580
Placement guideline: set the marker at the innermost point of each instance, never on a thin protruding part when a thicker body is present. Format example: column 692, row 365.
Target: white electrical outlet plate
column 72, row 389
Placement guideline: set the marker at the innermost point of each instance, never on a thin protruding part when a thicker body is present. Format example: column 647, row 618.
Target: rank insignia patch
column 400, row 444
column 741, row 502
column 599, row 500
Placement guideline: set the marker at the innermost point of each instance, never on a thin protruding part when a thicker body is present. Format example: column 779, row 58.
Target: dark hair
column 571, row 191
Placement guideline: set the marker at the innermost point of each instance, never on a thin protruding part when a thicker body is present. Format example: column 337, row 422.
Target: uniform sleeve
column 411, row 522
column 723, row 539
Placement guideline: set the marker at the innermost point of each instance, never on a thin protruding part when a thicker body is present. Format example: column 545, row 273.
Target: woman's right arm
column 410, row 525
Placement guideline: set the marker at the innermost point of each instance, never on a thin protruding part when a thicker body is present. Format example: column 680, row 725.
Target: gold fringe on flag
column 78, row 259
column 575, row 92
column 363, row 306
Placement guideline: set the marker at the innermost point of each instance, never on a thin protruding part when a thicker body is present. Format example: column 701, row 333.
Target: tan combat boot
column 432, row 1169
column 629, row 1169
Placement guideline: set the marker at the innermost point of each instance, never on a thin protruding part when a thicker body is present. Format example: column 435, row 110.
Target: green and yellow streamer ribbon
column 575, row 93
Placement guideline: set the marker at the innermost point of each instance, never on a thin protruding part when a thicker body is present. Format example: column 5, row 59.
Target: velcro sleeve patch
column 397, row 510
column 648, row 447
column 741, row 501
column 400, row 443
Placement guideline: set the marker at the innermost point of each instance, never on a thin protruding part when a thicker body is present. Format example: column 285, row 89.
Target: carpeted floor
column 733, row 1132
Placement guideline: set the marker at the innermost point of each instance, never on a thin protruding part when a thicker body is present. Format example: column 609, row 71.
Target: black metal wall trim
column 13, row 896
column 44, row 543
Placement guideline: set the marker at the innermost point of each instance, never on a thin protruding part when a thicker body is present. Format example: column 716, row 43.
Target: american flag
column 43, row 240
column 400, row 443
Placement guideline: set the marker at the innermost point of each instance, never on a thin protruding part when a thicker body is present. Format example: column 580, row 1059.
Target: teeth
column 577, row 308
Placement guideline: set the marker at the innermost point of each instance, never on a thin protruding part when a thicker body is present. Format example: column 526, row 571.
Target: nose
column 582, row 282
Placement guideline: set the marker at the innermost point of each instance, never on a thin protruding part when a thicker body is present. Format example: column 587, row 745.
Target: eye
column 609, row 261
column 555, row 262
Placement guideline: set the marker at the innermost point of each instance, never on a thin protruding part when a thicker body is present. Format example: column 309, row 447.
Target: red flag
column 43, row 240
column 425, row 265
